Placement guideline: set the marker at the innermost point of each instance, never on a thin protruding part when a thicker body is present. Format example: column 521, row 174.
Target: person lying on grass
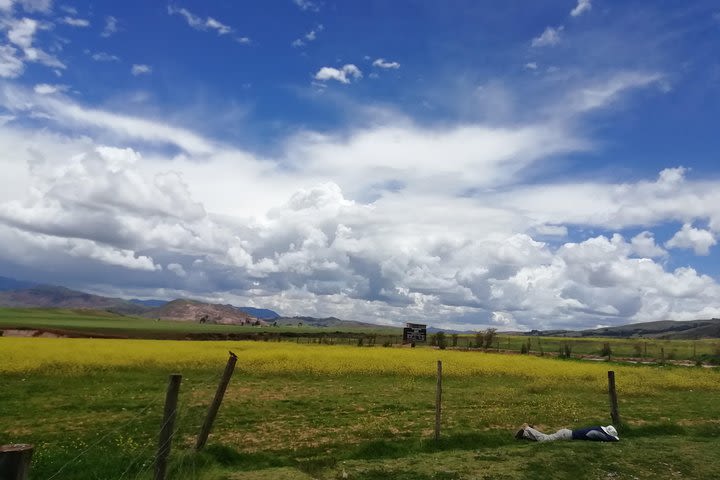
column 598, row 434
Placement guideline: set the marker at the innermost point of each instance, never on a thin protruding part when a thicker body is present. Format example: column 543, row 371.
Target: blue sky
column 472, row 164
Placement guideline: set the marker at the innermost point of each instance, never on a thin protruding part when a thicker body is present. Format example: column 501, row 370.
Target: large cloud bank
column 389, row 222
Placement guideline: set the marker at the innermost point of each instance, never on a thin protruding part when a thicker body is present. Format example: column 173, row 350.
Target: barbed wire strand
column 206, row 381
column 152, row 452
column 103, row 437
column 151, row 463
column 209, row 380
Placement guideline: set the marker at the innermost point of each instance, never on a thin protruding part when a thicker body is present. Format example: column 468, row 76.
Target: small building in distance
column 414, row 333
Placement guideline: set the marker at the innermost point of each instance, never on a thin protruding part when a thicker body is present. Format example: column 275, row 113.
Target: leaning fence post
column 438, row 400
column 15, row 461
column 215, row 405
column 168, row 426
column 614, row 413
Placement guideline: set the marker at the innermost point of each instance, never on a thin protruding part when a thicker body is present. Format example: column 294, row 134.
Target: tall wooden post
column 168, row 426
column 215, row 405
column 438, row 400
column 15, row 461
column 614, row 413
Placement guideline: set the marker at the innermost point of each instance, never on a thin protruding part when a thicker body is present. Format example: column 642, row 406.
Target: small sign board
column 414, row 332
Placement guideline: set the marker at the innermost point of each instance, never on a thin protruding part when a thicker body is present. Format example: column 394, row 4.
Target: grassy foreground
column 94, row 407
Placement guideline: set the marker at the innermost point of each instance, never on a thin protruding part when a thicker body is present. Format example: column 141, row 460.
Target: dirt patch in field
column 28, row 333
column 237, row 394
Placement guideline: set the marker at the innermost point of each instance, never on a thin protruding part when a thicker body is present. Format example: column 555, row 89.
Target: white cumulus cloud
column 581, row 7
column 48, row 89
column 21, row 32
column 700, row 241
column 111, row 26
column 177, row 269
column 140, row 69
column 75, row 22
column 342, row 75
column 382, row 63
column 549, row 37
column 643, row 244
column 10, row 65
column 307, row 5
column 104, row 57
column 308, row 37
column 199, row 23
column 43, row 6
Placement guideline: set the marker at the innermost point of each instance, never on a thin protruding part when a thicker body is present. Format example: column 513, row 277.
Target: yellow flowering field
column 75, row 356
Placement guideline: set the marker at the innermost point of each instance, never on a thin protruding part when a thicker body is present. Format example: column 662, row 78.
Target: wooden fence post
column 215, row 405
column 438, row 400
column 168, row 426
column 15, row 461
column 614, row 413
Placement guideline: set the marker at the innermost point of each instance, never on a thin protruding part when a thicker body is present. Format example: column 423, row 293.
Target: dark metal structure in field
column 414, row 333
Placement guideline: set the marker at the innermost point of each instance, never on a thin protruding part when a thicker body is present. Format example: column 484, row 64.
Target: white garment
column 536, row 435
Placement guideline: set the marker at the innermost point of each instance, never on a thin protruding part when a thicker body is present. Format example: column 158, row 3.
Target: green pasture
column 637, row 348
column 103, row 424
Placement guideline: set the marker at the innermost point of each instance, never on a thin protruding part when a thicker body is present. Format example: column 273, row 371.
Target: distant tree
column 454, row 339
column 488, row 337
column 606, row 350
column 440, row 340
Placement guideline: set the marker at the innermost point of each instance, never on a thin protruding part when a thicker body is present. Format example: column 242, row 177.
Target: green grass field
column 94, row 407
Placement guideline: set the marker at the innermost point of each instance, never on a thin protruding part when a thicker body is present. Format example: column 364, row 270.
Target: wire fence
column 142, row 459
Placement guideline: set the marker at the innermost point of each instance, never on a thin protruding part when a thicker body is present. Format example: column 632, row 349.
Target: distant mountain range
column 23, row 294
column 192, row 310
column 20, row 293
column 323, row 322
column 47, row 296
column 664, row 329
column 149, row 303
